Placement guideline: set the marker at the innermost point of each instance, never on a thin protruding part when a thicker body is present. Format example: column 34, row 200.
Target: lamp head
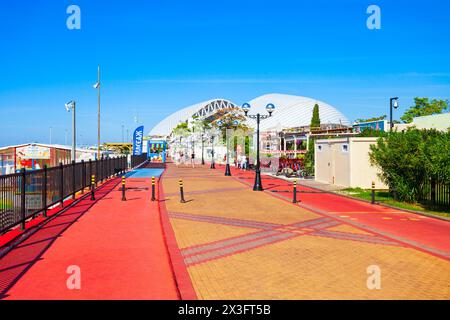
column 69, row 105
column 395, row 105
column 270, row 108
column 246, row 107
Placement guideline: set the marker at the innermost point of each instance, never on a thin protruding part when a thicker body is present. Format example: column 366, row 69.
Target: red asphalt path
column 424, row 233
column 118, row 246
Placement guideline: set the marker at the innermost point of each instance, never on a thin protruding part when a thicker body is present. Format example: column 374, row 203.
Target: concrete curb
column 182, row 279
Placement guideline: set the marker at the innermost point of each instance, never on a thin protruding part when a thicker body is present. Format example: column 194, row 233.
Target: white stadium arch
column 202, row 109
column 291, row 111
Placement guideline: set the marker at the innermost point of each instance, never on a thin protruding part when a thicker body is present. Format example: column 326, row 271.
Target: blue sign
column 138, row 139
column 157, row 150
column 381, row 125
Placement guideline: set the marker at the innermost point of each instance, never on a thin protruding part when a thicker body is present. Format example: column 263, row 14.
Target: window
column 345, row 148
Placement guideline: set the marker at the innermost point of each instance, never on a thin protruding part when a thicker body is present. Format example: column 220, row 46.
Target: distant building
column 33, row 156
column 345, row 162
column 440, row 122
column 382, row 125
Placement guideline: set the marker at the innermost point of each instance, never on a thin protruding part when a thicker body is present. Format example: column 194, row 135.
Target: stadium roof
column 291, row 111
column 165, row 127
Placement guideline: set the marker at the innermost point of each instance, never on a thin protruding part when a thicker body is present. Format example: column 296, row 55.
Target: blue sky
column 159, row 56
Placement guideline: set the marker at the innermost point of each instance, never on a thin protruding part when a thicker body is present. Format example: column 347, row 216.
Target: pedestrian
column 244, row 162
column 176, row 157
column 193, row 159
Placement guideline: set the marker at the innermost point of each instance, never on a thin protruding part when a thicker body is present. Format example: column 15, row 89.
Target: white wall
column 345, row 162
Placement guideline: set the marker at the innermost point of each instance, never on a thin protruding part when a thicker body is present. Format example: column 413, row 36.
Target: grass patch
column 386, row 198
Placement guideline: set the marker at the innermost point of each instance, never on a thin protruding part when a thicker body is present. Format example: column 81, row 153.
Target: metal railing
column 137, row 160
column 26, row 194
column 435, row 193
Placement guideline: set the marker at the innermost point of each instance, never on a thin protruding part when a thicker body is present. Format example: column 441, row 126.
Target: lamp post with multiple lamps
column 233, row 125
column 269, row 108
column 71, row 106
column 393, row 104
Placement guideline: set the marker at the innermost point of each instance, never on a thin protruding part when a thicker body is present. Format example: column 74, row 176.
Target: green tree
column 182, row 129
column 423, row 107
column 228, row 117
column 309, row 158
column 408, row 159
column 315, row 120
column 383, row 117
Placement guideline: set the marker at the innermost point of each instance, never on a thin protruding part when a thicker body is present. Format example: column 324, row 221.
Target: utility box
column 345, row 162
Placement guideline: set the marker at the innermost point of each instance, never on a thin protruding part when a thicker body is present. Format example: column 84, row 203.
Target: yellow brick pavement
column 301, row 266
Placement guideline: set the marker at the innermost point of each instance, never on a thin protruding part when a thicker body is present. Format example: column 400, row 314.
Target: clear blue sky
column 159, row 56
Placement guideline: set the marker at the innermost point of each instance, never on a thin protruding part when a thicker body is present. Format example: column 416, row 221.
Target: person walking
column 243, row 162
column 176, row 157
column 193, row 159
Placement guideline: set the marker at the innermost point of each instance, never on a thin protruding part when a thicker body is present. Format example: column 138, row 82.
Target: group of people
column 241, row 162
column 182, row 158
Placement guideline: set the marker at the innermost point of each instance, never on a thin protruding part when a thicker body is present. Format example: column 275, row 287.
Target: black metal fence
column 26, row 194
column 435, row 193
column 137, row 160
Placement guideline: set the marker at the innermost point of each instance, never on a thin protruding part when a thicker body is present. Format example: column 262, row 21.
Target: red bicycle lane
column 118, row 246
column 425, row 233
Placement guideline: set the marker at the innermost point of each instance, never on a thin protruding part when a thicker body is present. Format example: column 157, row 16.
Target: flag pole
column 98, row 113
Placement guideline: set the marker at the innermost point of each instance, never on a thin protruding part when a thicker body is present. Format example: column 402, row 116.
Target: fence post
column 102, row 169
column 433, row 191
column 97, row 172
column 22, row 198
column 294, row 198
column 83, row 176
column 373, row 193
column 73, row 179
column 44, row 192
column 153, row 189
column 61, row 183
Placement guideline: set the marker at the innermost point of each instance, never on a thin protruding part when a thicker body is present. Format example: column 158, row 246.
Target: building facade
column 345, row 162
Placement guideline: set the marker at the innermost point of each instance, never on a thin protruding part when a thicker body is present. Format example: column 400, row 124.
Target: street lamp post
column 97, row 86
column 393, row 104
column 269, row 108
column 203, row 148
column 71, row 106
column 227, row 166
column 213, row 164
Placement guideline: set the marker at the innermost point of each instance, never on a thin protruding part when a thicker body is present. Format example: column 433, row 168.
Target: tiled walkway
column 240, row 244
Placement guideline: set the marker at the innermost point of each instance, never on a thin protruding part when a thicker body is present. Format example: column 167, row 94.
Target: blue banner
column 138, row 139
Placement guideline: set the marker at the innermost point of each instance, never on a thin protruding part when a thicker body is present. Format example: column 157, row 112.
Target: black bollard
column 123, row 189
column 153, row 189
column 373, row 192
column 181, row 192
column 92, row 187
column 294, row 198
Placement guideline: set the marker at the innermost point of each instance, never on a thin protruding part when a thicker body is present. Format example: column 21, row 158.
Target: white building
column 345, row 162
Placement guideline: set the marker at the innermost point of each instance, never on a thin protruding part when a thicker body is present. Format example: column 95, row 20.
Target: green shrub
column 408, row 159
